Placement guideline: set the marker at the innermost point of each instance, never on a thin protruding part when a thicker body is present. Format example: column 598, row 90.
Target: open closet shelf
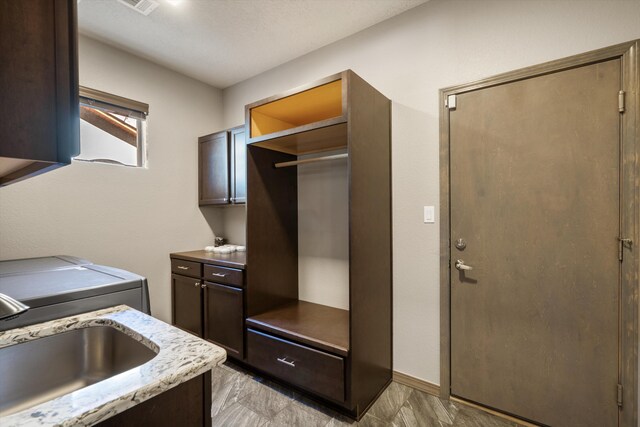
column 305, row 120
column 320, row 326
column 328, row 138
column 288, row 111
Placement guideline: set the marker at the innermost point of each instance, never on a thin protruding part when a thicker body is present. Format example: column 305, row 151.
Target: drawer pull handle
column 182, row 267
column 286, row 362
column 218, row 274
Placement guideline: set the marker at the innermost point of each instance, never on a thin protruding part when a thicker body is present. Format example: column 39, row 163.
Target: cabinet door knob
column 203, row 286
column 197, row 284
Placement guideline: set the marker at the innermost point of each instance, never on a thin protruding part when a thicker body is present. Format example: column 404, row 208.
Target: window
column 112, row 128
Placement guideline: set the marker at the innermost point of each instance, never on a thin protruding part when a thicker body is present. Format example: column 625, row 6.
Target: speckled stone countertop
column 180, row 357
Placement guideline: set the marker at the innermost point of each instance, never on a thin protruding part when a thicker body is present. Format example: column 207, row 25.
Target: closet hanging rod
column 313, row 160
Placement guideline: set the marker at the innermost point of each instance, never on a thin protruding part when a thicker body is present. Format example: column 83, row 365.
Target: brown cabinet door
column 187, row 303
column 223, row 321
column 214, row 169
column 238, row 165
column 40, row 127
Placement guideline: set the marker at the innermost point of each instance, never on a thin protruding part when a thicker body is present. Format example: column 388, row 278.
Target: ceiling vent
column 144, row 7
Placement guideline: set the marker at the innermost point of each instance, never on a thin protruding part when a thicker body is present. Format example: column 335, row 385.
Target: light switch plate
column 429, row 214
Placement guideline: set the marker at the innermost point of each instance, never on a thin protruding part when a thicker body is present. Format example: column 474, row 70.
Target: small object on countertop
column 241, row 248
column 226, row 249
column 220, row 241
column 209, row 249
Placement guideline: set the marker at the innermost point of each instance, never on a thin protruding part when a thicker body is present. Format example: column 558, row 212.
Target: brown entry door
column 535, row 196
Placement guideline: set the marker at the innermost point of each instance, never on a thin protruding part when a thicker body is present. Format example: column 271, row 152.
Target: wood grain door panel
column 238, row 166
column 214, row 169
column 224, row 320
column 535, row 194
column 187, row 303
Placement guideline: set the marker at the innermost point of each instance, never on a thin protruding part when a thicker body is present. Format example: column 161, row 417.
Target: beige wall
column 408, row 58
column 123, row 217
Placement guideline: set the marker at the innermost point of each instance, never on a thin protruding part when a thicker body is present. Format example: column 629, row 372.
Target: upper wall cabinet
column 40, row 126
column 222, row 168
column 305, row 120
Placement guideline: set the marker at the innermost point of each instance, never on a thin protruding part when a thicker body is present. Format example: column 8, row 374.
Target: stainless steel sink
column 45, row 368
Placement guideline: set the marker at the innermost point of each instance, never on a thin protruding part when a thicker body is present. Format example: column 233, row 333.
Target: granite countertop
column 233, row 260
column 180, row 357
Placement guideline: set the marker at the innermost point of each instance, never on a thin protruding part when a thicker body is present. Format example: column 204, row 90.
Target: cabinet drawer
column 314, row 370
column 226, row 276
column 186, row 268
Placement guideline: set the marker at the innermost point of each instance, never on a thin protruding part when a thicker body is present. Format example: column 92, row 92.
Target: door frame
column 629, row 54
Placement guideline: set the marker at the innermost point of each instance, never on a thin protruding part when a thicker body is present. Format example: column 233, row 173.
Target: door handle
column 460, row 265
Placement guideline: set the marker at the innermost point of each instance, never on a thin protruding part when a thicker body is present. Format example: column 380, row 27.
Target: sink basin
column 45, row 368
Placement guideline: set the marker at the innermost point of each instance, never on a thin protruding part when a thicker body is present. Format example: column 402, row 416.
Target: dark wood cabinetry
column 188, row 404
column 340, row 355
column 223, row 317
column 238, row 165
column 214, row 169
column 209, row 302
column 40, row 126
column 305, row 367
column 187, row 303
column 222, row 168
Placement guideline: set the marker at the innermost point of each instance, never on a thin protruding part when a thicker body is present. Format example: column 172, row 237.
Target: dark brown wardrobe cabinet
column 222, row 168
column 207, row 297
column 40, row 125
column 342, row 357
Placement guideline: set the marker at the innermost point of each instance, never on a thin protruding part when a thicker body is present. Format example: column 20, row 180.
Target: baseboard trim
column 417, row 383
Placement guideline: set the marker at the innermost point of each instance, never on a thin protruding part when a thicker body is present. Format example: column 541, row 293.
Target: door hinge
column 450, row 102
column 622, row 243
column 619, row 400
column 621, row 101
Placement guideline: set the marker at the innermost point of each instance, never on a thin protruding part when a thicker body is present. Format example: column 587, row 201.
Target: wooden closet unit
column 342, row 356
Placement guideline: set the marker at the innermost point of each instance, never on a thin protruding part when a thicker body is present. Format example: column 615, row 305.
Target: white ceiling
column 222, row 42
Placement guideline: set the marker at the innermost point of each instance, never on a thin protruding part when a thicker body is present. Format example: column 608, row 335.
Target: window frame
column 108, row 102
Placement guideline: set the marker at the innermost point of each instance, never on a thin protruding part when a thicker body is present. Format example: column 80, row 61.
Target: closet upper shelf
column 305, row 120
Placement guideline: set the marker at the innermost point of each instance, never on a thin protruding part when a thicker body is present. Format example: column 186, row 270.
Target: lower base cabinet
column 305, row 367
column 223, row 317
column 187, row 303
column 188, row 404
column 210, row 310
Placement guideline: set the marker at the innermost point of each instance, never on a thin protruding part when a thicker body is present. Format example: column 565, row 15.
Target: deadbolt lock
column 461, row 244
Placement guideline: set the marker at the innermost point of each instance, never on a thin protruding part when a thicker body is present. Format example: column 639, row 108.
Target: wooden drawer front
column 226, row 276
column 186, row 268
column 314, row 370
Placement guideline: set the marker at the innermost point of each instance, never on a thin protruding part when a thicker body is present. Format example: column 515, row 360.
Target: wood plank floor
column 243, row 399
